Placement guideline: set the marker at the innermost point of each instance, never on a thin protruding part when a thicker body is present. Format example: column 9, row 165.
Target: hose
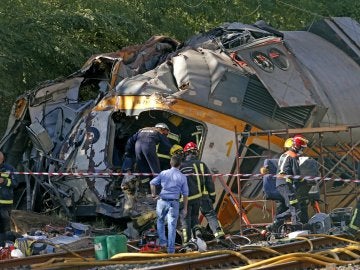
column 330, row 252
column 333, row 237
column 303, row 259
column 298, row 256
column 348, row 250
column 146, row 258
column 157, row 258
column 265, row 249
column 307, row 240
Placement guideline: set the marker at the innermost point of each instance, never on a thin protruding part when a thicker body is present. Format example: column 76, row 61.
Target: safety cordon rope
column 243, row 176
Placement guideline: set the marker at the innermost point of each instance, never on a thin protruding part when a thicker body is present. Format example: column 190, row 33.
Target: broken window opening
column 182, row 131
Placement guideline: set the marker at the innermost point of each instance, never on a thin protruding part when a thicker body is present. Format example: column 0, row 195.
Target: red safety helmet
column 299, row 141
column 190, row 146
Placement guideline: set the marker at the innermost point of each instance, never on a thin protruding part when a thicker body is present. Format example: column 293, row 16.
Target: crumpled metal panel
column 278, row 70
column 158, row 80
column 343, row 32
column 192, row 76
column 91, row 154
column 210, row 78
column 350, row 28
column 332, row 72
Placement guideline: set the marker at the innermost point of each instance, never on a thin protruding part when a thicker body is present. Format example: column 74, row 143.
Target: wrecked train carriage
column 239, row 77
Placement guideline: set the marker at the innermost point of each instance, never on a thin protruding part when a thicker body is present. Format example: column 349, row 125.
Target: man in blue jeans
column 173, row 184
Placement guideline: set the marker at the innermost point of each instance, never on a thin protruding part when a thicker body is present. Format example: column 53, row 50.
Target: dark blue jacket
column 7, row 187
column 199, row 185
column 288, row 165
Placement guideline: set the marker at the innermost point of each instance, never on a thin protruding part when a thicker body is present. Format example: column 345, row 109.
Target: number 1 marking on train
column 229, row 144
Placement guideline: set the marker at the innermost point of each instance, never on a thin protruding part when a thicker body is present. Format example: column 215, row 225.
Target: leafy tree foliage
column 47, row 39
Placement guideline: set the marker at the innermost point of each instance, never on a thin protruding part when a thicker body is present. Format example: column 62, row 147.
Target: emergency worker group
column 290, row 194
column 186, row 189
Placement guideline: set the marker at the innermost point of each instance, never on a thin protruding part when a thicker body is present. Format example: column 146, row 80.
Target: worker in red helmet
column 201, row 194
column 287, row 186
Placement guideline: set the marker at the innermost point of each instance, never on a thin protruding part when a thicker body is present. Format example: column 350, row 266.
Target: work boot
column 197, row 232
column 274, row 227
column 219, row 233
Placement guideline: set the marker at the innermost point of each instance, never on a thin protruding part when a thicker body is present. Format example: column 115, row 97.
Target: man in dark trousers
column 201, row 194
column 173, row 184
column 7, row 184
column 144, row 144
column 288, row 166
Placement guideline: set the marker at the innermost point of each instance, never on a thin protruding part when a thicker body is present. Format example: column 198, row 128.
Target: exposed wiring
column 230, row 238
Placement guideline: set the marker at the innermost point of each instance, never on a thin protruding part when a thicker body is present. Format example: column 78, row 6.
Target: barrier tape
column 247, row 175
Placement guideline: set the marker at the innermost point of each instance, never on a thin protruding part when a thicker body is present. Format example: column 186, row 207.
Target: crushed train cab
column 234, row 78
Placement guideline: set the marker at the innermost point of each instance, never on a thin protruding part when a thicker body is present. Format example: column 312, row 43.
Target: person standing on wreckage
column 201, row 195
column 289, row 165
column 143, row 145
column 173, row 185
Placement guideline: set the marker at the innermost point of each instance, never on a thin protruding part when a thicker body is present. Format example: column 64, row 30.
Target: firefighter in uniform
column 201, row 193
column 7, row 184
column 289, row 187
column 177, row 150
column 191, row 165
column 144, row 141
column 269, row 182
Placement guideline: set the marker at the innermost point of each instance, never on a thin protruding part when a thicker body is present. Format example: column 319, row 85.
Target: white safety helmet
column 162, row 125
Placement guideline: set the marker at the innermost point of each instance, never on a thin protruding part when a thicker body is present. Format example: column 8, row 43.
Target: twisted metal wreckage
column 238, row 90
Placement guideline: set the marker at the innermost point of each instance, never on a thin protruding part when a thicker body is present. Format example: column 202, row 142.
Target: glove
column 212, row 198
column 293, row 200
column 264, row 170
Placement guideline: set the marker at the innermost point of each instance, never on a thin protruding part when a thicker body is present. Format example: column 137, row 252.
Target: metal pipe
column 238, row 178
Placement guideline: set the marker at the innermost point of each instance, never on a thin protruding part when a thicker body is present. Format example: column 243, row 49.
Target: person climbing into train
column 201, row 194
column 288, row 166
column 144, row 144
